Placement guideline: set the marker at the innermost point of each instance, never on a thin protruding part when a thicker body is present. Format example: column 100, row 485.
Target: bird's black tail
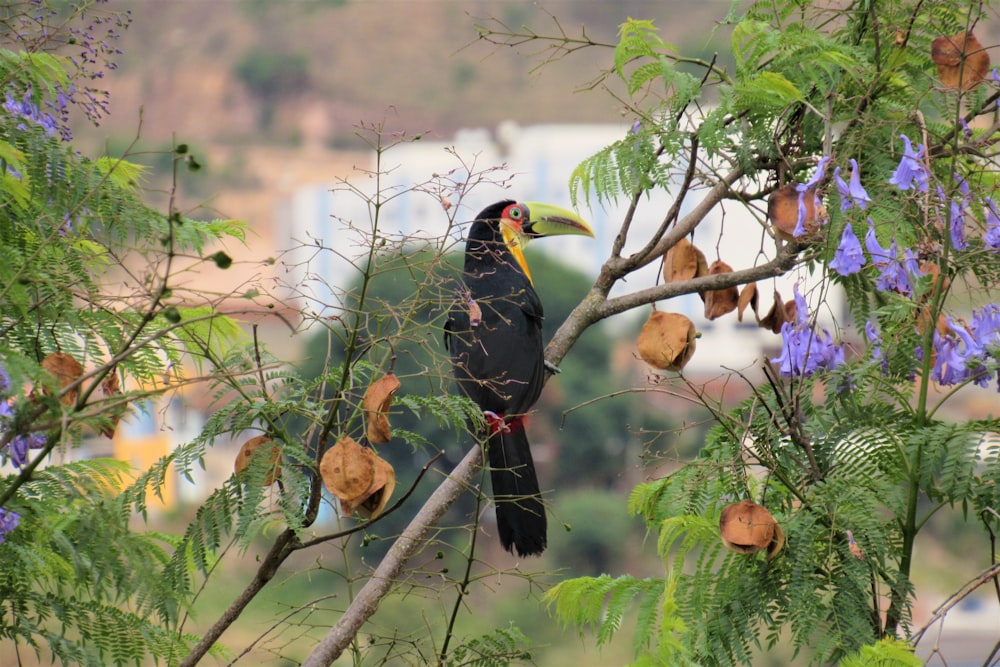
column 520, row 513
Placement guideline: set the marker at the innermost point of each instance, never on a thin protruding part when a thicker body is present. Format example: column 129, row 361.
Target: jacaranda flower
column 849, row 257
column 851, row 194
column 957, row 227
column 803, row 351
column 959, row 357
column 8, row 522
column 809, row 189
column 991, row 239
column 911, row 171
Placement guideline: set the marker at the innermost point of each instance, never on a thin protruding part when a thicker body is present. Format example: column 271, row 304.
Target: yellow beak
column 543, row 220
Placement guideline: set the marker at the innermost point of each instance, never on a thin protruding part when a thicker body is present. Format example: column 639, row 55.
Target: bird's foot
column 552, row 368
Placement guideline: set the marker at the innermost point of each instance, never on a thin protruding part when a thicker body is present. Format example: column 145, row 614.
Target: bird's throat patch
column 512, row 238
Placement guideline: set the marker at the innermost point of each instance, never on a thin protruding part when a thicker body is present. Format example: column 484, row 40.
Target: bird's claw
column 552, row 368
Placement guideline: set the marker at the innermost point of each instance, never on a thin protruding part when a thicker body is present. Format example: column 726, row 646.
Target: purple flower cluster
column 897, row 269
column 27, row 112
column 8, row 522
column 18, row 447
column 803, row 350
column 968, row 353
column 851, row 193
column 911, row 172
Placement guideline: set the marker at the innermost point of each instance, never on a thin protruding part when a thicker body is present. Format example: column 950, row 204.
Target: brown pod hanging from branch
column 783, row 212
column 376, row 404
column 961, row 60
column 748, row 297
column 721, row 301
column 66, row 370
column 683, row 262
column 269, row 451
column 348, row 471
column 746, row 528
column 374, row 500
column 667, row 340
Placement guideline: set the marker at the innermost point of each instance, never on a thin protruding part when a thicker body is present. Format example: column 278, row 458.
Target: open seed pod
column 746, row 527
column 722, row 301
column 667, row 340
column 777, row 545
column 748, row 297
column 376, row 403
column 683, row 262
column 783, row 211
column 66, row 370
column 373, row 502
column 348, row 470
column 268, row 449
column 776, row 316
column 961, row 60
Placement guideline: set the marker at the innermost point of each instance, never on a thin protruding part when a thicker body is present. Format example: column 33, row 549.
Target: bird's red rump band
column 501, row 424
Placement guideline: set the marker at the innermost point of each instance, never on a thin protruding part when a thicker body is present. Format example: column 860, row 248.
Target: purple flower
column 911, row 171
column 4, row 380
column 992, row 236
column 803, row 351
column 8, row 522
column 26, row 110
column 959, row 357
column 895, row 273
column 957, row 227
column 875, row 342
column 851, row 194
column 849, row 257
column 809, row 187
column 17, row 449
column 966, row 130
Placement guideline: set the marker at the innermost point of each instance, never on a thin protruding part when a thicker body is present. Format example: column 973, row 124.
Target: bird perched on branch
column 494, row 335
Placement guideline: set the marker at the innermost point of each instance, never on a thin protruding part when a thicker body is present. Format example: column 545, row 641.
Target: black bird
column 494, row 335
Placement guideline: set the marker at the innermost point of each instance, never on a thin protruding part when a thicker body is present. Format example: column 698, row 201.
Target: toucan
column 494, row 334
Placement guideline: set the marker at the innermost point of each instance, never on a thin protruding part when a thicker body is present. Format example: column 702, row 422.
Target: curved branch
column 409, row 543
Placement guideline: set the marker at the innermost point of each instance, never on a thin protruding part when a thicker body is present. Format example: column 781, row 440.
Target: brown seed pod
column 722, row 301
column 667, row 340
column 376, row 403
column 746, row 527
column 66, row 370
column 748, row 297
column 348, row 469
column 683, row 262
column 783, row 211
column 961, row 60
column 269, row 450
column 776, row 316
column 777, row 544
column 373, row 503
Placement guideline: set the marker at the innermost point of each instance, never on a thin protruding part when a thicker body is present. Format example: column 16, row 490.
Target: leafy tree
column 860, row 137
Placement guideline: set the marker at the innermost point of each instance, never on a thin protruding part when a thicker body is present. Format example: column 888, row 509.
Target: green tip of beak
column 548, row 220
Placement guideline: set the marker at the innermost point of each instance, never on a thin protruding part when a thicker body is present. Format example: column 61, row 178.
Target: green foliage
column 500, row 648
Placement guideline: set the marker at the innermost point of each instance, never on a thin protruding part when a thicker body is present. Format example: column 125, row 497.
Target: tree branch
column 409, row 543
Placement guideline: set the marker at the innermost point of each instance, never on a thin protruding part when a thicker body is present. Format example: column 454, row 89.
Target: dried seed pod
column 268, row 449
column 66, row 370
column 748, row 297
column 746, row 527
column 777, row 544
column 377, row 497
column 667, row 340
column 783, row 211
column 683, row 262
column 722, row 301
column 961, row 60
column 348, row 469
column 776, row 316
column 376, row 403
